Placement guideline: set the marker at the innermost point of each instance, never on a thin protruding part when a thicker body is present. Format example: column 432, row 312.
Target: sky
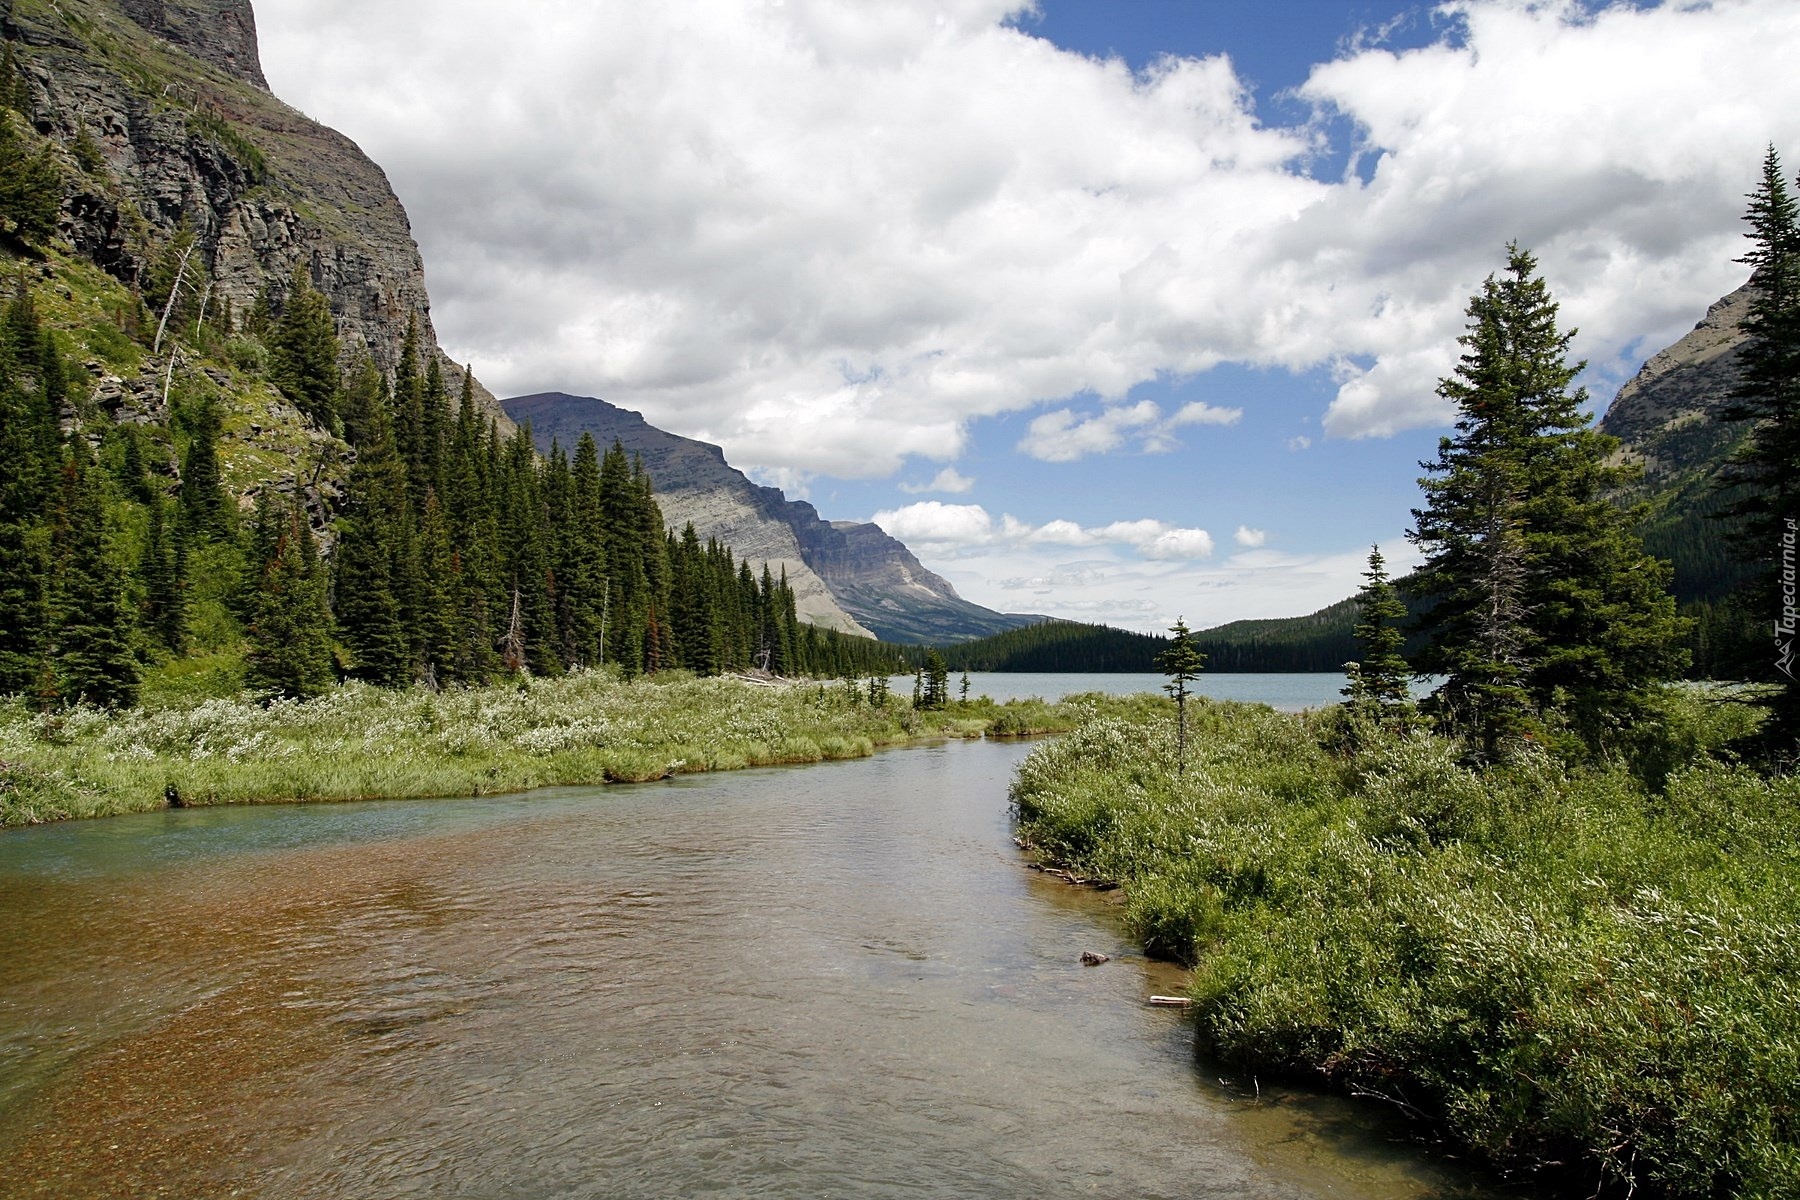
column 1115, row 310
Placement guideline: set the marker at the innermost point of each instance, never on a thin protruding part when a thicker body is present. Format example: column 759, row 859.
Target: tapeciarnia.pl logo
column 1790, row 615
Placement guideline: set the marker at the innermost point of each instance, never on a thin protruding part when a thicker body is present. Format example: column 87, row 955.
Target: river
column 835, row 980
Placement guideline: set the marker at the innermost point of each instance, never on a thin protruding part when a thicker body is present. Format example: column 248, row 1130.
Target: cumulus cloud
column 1063, row 436
column 1246, row 536
column 954, row 529
column 829, row 234
column 947, row 480
column 1107, row 586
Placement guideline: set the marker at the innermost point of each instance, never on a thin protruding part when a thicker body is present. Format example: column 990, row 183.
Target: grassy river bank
column 358, row 742
column 1587, row 974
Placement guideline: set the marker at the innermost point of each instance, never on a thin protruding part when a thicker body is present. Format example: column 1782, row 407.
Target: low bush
column 1551, row 964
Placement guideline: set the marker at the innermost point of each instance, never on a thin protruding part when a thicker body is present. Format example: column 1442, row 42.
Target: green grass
column 359, row 742
column 1548, row 965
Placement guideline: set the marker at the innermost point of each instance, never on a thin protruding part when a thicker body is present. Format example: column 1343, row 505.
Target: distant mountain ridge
column 846, row 575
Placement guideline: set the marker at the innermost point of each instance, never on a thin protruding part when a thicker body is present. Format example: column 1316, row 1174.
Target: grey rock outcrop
column 220, row 32
column 191, row 139
column 846, row 575
column 1674, row 399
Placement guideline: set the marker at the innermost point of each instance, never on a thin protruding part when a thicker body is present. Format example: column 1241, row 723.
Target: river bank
column 1583, row 973
column 358, row 742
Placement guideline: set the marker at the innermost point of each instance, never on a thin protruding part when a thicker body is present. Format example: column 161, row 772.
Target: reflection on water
column 834, row 980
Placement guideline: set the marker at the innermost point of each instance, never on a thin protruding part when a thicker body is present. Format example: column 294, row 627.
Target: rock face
column 220, row 32
column 191, row 139
column 845, row 575
column 1667, row 414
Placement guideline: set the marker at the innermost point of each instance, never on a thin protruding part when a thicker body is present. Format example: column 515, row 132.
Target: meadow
column 361, row 742
column 1589, row 974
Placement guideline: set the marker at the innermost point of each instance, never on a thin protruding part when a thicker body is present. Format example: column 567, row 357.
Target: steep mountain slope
column 846, row 575
column 1667, row 419
column 168, row 126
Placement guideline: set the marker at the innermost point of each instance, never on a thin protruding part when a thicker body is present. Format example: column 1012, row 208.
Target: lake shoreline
column 362, row 743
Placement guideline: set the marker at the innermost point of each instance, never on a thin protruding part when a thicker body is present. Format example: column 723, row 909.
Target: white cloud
column 829, row 234
column 947, row 480
column 1200, row 413
column 1298, row 443
column 957, row 529
column 1108, row 586
column 1063, row 436
column 1246, row 536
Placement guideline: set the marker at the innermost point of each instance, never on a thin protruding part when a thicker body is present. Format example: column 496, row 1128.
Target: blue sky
column 1111, row 310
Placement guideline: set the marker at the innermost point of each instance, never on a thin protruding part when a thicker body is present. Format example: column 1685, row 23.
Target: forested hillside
column 202, row 494
column 1057, row 646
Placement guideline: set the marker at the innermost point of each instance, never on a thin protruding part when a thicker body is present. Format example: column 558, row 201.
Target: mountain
column 167, row 127
column 1666, row 418
column 846, row 575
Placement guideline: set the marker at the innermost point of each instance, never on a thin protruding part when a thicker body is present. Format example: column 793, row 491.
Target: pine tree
column 91, row 660
column 25, row 496
column 370, row 567
column 205, row 509
column 1764, row 475
column 1181, row 662
column 30, row 185
column 1378, row 680
column 1543, row 598
column 161, row 573
column 289, row 642
column 303, row 351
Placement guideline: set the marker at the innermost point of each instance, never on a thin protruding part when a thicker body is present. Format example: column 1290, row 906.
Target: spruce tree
column 289, row 641
column 1543, row 600
column 1378, row 680
column 161, row 572
column 1181, row 661
column 370, row 567
column 92, row 660
column 205, row 509
column 1764, row 475
column 303, row 351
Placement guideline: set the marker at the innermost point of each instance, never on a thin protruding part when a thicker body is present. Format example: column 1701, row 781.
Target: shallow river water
column 835, row 980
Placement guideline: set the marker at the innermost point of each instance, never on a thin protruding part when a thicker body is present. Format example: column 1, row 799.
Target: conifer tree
column 1543, row 597
column 30, row 185
column 25, row 497
column 303, row 351
column 584, row 570
column 438, row 615
column 289, row 642
column 91, row 660
column 205, row 510
column 1181, row 662
column 1378, row 680
column 161, row 573
column 1764, row 474
column 370, row 568
column 475, row 526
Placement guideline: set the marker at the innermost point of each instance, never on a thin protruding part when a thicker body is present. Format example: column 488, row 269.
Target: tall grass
column 1550, row 965
column 358, row 742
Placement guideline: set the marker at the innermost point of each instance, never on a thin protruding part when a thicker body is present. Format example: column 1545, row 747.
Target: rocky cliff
column 168, row 125
column 846, row 575
column 1666, row 416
